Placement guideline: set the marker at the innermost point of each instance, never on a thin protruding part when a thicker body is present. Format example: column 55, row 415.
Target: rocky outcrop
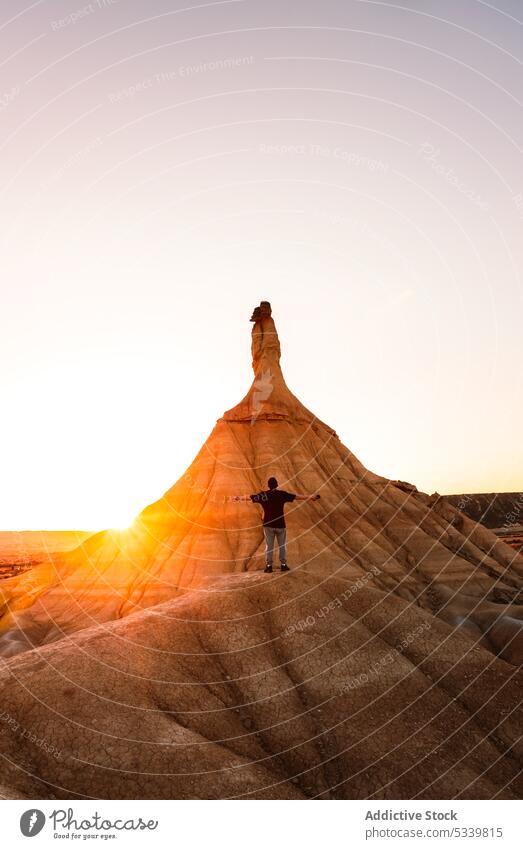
column 295, row 686
column 166, row 664
column 495, row 510
column 191, row 533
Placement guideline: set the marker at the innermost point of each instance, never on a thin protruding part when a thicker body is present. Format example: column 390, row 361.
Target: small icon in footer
column 32, row 822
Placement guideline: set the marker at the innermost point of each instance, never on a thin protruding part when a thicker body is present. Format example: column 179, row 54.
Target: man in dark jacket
column 273, row 502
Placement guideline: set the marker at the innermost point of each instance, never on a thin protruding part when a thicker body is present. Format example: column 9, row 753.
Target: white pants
column 281, row 535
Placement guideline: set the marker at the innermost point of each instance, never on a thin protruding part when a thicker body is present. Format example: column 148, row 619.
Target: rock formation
column 160, row 662
column 502, row 512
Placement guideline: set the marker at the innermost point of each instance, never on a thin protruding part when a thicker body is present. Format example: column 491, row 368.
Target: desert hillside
column 500, row 511
column 19, row 550
column 161, row 662
column 295, row 686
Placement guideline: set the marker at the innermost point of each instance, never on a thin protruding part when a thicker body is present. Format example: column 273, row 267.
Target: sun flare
column 123, row 523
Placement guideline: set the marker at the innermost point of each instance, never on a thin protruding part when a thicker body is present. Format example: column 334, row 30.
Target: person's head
column 272, row 483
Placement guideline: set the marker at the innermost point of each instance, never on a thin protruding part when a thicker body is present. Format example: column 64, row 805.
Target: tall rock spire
column 269, row 398
column 418, row 548
column 265, row 346
column 326, row 682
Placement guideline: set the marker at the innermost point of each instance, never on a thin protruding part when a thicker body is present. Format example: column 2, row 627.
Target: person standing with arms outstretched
column 273, row 502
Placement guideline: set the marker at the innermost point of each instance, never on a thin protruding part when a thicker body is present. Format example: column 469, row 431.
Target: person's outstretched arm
column 308, row 497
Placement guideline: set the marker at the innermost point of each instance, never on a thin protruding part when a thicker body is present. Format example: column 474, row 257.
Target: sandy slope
column 406, row 685
column 287, row 686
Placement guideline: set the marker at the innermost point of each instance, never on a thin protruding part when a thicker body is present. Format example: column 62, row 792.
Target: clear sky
column 164, row 166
